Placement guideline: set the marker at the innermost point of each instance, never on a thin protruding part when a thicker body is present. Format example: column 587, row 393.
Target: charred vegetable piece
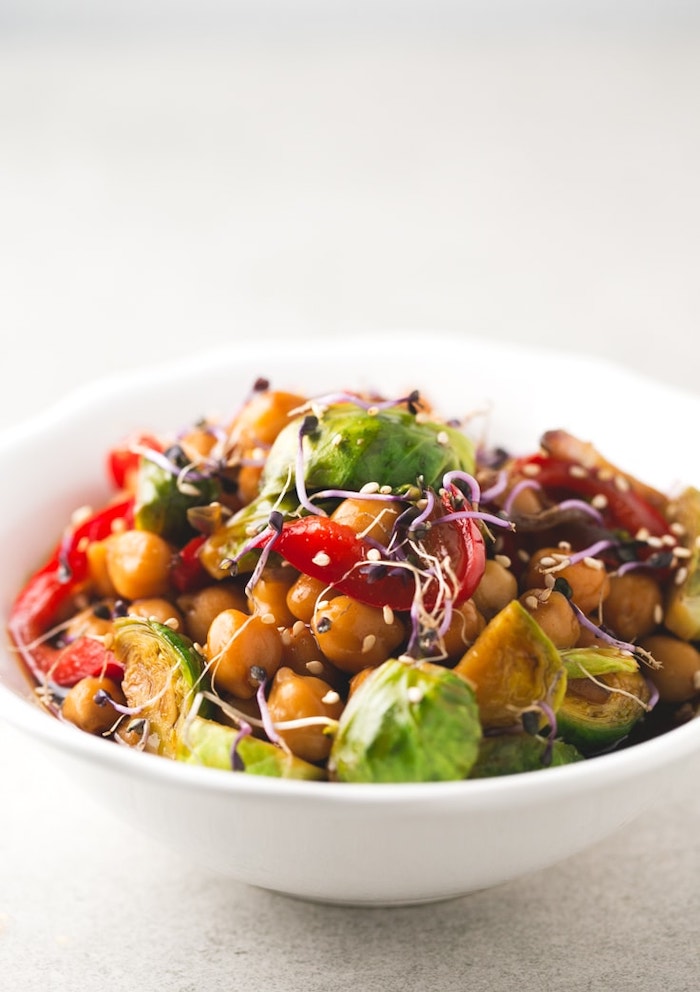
column 513, row 666
column 162, row 672
column 343, row 449
column 407, row 722
column 605, row 697
column 682, row 615
column 163, row 496
column 510, row 754
column 204, row 742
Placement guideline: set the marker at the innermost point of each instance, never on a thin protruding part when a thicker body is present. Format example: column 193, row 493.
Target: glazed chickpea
column 678, row 679
column 197, row 443
column 633, row 608
column 201, row 607
column 264, row 416
column 248, row 483
column 353, row 635
column 465, row 626
column 497, row 587
column 242, row 650
column 95, row 621
column 296, row 697
column 554, row 615
column 158, row 609
column 372, row 518
column 79, row 706
column 304, row 595
column 138, row 564
column 357, row 680
column 301, row 653
column 588, row 580
column 269, row 595
column 96, row 554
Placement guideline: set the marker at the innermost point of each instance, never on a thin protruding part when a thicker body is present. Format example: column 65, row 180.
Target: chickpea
column 497, row 587
column 96, row 554
column 198, row 443
column 295, row 697
column 264, row 416
column 357, row 680
column 304, row 596
column 95, row 621
column 678, row 679
column 201, row 607
column 138, row 564
column 79, row 706
column 554, row 615
column 353, row 635
column 372, row 518
column 465, row 626
column 248, row 483
column 301, row 653
column 633, row 608
column 589, row 582
column 242, row 650
column 269, row 595
column 161, row 610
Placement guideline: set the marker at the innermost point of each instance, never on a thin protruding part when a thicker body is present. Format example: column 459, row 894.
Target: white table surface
column 167, row 191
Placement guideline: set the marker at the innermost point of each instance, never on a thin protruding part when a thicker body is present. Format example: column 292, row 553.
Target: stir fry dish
column 353, row 589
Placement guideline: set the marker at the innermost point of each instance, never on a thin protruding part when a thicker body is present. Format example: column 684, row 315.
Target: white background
column 179, row 176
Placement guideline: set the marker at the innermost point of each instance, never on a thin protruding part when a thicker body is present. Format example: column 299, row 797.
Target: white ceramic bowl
column 378, row 844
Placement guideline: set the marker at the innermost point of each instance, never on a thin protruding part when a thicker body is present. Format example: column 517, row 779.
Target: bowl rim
column 28, row 717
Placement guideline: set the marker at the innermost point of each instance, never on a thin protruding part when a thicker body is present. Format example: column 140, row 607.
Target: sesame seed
column 677, row 528
column 577, row 472
column 532, row 602
column 599, row 501
column 621, row 484
column 422, row 417
column 374, row 554
column 315, row 667
column 682, row 552
column 368, row 643
column 549, row 580
column 668, row 541
column 385, row 490
column 414, row 693
column 80, row 515
column 372, row 411
column 593, row 562
column 370, row 487
column 564, row 546
column 531, row 470
column 321, row 605
column 83, row 543
column 655, row 542
column 503, row 560
column 172, row 622
column 388, row 614
column 658, row 613
column 443, row 438
column 299, row 628
column 118, row 526
column 336, row 440
column 286, row 637
column 547, row 561
column 681, row 576
column 605, row 474
column 330, row 698
column 321, row 558
column 642, row 534
column 523, row 555
column 268, row 618
column 544, row 594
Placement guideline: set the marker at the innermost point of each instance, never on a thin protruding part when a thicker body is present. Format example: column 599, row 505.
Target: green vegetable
column 510, row 754
column 407, row 722
column 513, row 665
column 162, row 672
column 596, row 715
column 162, row 501
column 349, row 448
column 682, row 615
column 204, row 742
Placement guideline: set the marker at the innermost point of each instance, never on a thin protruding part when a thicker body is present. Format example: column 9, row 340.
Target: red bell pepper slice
column 187, row 572
column 42, row 601
column 122, row 461
column 625, row 508
column 333, row 553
